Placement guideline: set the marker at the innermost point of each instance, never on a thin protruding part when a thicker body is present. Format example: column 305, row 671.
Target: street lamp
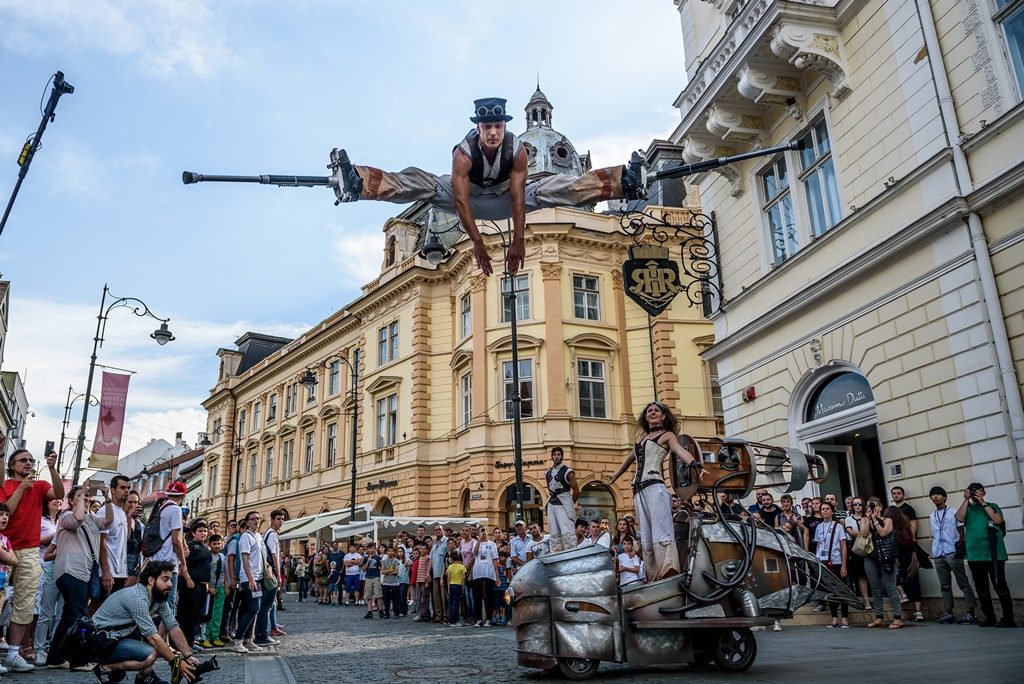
column 308, row 379
column 435, row 252
column 162, row 335
column 67, row 420
column 353, row 366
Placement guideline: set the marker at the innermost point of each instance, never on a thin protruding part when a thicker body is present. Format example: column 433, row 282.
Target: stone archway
column 384, row 507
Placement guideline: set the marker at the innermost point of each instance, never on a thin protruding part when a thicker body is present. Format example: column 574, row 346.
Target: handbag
column 863, row 546
column 83, row 642
column 885, row 547
column 95, row 586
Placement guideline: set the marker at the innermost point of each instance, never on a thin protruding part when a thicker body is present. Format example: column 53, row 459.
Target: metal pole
column 654, row 373
column 355, row 428
column 64, row 429
column 517, row 433
column 238, row 483
column 88, row 387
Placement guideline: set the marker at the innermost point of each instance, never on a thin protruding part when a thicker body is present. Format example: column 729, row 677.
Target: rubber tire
column 734, row 650
column 578, row 669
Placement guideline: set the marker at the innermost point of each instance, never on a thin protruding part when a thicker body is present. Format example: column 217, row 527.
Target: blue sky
column 254, row 87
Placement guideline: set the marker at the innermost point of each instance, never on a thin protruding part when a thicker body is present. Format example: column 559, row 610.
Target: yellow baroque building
column 434, row 357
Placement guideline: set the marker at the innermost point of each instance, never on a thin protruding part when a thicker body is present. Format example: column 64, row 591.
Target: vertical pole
column 64, row 429
column 517, row 434
column 654, row 371
column 238, row 483
column 355, row 428
column 88, row 387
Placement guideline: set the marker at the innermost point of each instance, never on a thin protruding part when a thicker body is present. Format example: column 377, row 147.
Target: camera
column 973, row 492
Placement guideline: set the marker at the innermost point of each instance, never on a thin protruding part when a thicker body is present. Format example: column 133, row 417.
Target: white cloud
column 50, row 344
column 357, row 254
column 170, row 37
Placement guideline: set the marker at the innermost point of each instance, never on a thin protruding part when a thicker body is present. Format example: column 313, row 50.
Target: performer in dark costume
column 563, row 493
column 488, row 181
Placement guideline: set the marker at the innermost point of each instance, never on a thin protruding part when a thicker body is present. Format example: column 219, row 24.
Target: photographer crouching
column 125, row 623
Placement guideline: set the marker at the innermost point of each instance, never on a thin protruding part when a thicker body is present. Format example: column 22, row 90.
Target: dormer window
column 390, row 250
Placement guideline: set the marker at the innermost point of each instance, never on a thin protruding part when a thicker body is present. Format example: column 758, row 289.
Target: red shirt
column 23, row 528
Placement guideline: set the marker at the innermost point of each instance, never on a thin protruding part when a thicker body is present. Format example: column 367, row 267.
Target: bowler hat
column 489, row 110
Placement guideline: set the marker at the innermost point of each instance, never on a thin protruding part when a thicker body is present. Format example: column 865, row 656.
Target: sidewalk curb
column 270, row 668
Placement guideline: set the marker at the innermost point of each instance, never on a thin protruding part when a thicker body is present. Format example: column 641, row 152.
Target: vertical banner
column 107, row 445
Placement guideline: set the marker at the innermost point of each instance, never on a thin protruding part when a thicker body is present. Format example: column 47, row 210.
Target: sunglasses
column 857, row 503
column 496, row 110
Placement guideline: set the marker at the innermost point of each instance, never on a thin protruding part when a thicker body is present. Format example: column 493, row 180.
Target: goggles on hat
column 496, row 110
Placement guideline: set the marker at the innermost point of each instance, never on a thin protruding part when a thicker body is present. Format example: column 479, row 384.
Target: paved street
column 232, row 672
column 336, row 646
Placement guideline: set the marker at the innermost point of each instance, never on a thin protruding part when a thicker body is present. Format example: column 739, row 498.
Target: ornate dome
column 549, row 151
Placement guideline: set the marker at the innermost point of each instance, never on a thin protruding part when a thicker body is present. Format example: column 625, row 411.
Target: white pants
column 658, row 537
column 562, row 522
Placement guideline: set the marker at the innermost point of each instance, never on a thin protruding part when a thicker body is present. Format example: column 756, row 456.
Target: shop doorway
column 854, row 464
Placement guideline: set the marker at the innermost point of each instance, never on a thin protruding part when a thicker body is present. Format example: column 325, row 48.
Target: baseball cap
column 177, row 489
column 519, row 522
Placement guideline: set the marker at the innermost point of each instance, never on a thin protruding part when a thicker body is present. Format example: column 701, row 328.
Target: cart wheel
column 734, row 649
column 577, row 669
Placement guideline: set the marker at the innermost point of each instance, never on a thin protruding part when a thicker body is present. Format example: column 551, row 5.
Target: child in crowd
column 501, row 607
column 456, row 575
column 631, row 567
column 7, row 556
column 333, row 577
column 218, row 573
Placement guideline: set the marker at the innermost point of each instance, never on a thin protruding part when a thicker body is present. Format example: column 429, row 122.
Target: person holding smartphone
column 880, row 565
column 986, row 553
column 25, row 496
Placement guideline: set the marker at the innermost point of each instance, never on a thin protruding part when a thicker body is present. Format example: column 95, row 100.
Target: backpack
column 151, row 539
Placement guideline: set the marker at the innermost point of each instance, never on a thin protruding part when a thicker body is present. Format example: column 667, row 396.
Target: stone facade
column 909, row 275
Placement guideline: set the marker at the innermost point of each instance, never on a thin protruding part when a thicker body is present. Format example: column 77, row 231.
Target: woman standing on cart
column 651, row 497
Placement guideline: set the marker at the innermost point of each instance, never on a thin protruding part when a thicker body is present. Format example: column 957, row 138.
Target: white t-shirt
column 483, row 566
column 604, row 540
column 116, row 539
column 627, row 577
column 170, row 520
column 273, row 542
column 252, row 545
column 825, row 539
column 357, row 559
column 47, row 528
column 539, row 548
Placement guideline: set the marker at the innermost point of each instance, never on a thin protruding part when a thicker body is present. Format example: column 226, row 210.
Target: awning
column 392, row 525
column 317, row 523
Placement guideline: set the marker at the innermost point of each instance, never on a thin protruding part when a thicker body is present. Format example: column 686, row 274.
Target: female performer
column 651, row 497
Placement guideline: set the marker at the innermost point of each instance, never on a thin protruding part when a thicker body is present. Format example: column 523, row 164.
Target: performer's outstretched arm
column 517, row 191
column 461, row 165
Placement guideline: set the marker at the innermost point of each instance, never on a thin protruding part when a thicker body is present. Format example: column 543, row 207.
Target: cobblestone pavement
column 336, row 646
column 232, row 672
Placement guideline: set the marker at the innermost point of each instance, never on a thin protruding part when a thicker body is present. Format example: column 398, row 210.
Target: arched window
column 464, row 504
column 533, row 511
column 838, row 393
column 384, row 507
column 596, row 502
column 390, row 250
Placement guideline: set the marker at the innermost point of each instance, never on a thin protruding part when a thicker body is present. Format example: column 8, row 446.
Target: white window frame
column 290, row 393
column 382, row 346
column 287, row 458
column 212, row 481
column 466, row 399
column 815, row 169
column 309, row 450
column 334, row 378
column 332, row 445
column 522, row 301
column 393, row 340
column 215, row 438
column 506, row 390
column 272, row 408
column 593, row 382
column 387, row 420
column 254, row 457
column 268, row 467
column 1001, row 15
column 241, row 422
column 465, row 315
column 257, row 410
column 311, row 393
column 586, row 306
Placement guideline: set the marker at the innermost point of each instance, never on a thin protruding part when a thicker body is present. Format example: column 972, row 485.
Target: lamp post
column 144, row 473
column 162, row 336
column 309, row 381
column 203, row 440
column 435, row 252
column 67, row 420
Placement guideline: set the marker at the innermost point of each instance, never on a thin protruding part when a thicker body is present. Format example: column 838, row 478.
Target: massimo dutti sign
column 651, row 278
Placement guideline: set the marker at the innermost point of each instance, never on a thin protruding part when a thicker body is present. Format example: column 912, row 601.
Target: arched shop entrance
column 834, row 412
column 533, row 510
column 596, row 502
column 384, row 507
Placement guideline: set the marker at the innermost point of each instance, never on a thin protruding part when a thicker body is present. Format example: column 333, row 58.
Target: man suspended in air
column 489, row 182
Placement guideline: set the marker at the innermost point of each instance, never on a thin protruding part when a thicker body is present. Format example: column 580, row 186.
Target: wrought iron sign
column 652, row 280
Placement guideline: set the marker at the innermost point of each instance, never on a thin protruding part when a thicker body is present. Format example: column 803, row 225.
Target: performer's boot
column 351, row 183
column 634, row 180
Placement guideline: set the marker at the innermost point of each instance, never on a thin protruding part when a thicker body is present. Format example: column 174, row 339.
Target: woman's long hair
column 630, row 531
column 899, row 521
column 669, row 423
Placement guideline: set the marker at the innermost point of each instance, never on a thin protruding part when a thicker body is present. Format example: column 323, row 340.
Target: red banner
column 107, row 445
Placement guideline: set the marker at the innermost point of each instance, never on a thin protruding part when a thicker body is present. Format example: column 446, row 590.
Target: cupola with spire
column 549, row 151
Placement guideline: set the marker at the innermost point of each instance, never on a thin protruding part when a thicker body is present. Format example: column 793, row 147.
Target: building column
column 420, row 388
column 478, row 288
column 554, row 348
column 622, row 355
